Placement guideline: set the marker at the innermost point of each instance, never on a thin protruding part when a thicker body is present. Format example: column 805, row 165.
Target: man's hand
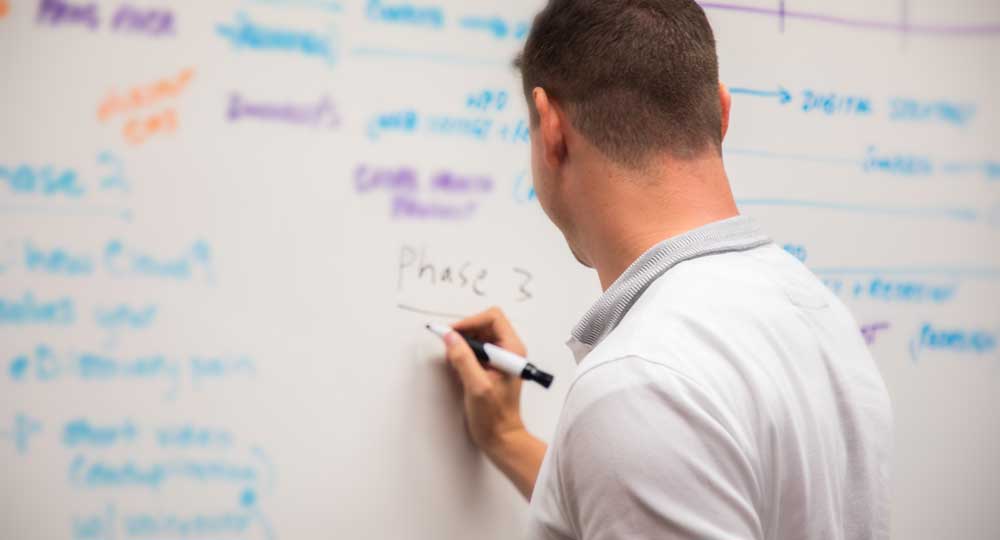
column 493, row 399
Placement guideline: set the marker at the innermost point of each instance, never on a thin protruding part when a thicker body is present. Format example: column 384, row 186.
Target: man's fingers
column 494, row 327
column 491, row 320
column 474, row 378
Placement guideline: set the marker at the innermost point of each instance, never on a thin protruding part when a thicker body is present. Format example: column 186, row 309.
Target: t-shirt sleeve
column 644, row 454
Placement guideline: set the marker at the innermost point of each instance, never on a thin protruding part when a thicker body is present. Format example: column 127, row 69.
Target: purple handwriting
column 455, row 183
column 871, row 331
column 394, row 179
column 407, row 207
column 389, row 179
column 404, row 183
column 155, row 22
column 62, row 12
column 320, row 114
column 127, row 18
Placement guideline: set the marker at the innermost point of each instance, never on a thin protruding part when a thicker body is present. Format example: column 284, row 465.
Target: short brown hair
column 637, row 77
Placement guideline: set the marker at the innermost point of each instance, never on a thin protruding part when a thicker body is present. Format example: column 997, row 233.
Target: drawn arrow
column 784, row 96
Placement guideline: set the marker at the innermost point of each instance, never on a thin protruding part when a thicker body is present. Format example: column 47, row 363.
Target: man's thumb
column 461, row 357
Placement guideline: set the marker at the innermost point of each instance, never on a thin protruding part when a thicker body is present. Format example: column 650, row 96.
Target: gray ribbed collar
column 734, row 234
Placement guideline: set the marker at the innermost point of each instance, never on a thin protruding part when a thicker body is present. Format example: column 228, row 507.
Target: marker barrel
column 501, row 359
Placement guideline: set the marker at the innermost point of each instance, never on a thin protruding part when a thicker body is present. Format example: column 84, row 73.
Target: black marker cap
column 529, row 373
column 532, row 373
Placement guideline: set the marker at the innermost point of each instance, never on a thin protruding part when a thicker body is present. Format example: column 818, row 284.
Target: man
column 722, row 392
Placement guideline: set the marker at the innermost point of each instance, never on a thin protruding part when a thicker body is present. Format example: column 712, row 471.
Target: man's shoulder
column 712, row 324
column 650, row 343
column 719, row 299
column 765, row 274
column 708, row 299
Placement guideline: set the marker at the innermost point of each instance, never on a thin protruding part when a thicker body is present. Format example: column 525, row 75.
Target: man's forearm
column 519, row 455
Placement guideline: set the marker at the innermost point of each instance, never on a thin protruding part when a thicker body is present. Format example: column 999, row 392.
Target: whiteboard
column 225, row 223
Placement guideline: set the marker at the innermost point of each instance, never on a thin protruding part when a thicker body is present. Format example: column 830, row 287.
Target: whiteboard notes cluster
column 225, row 225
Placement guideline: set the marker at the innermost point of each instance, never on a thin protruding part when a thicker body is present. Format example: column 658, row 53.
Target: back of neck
column 636, row 212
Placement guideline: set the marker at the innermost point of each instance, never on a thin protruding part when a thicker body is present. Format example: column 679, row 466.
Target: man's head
column 630, row 84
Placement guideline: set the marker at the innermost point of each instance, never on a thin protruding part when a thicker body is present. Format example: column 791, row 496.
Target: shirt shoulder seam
column 676, row 372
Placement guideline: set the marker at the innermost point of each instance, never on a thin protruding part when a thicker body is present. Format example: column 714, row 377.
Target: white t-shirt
column 722, row 393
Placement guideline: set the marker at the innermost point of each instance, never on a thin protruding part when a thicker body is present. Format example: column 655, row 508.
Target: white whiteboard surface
column 210, row 294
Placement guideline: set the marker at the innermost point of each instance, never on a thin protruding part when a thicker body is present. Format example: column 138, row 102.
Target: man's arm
column 493, row 400
column 519, row 457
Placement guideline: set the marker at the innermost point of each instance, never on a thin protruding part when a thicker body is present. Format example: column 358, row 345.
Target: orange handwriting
column 138, row 131
column 143, row 95
column 4, row 8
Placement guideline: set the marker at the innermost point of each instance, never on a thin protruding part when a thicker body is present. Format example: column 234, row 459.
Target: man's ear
column 550, row 129
column 726, row 102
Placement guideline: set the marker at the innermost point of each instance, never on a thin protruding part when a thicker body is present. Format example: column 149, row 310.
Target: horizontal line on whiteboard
column 440, row 58
column 792, row 157
column 954, row 213
column 85, row 211
column 954, row 271
column 954, row 30
column 432, row 313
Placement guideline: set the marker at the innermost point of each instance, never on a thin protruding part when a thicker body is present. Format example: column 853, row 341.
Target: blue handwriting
column 913, row 110
column 24, row 428
column 524, row 189
column 56, row 261
column 45, row 181
column 123, row 316
column 875, row 161
column 955, row 340
column 218, row 367
column 190, row 436
column 405, row 13
column 903, row 165
column 120, row 259
column 833, row 104
column 245, row 33
column 44, row 364
column 798, row 251
column 476, row 128
column 488, row 100
column 27, row 310
column 97, row 473
column 901, row 109
column 155, row 525
column 496, row 27
column 81, row 432
column 891, row 290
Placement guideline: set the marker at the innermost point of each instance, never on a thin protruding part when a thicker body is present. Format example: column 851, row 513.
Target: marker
column 498, row 358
